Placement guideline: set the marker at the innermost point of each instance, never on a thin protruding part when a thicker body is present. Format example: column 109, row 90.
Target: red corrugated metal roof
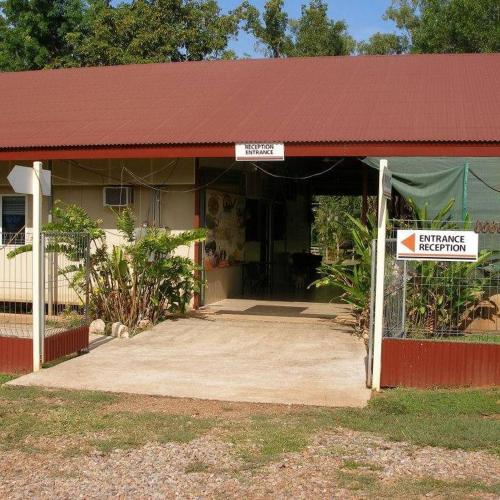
column 327, row 99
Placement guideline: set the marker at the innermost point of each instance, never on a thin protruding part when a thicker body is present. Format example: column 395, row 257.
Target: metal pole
column 379, row 284
column 42, row 296
column 465, row 189
column 403, row 305
column 87, row 279
column 37, row 293
column 50, row 256
column 372, row 309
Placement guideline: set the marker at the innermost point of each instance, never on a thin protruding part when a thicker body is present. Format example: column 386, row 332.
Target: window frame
column 10, row 195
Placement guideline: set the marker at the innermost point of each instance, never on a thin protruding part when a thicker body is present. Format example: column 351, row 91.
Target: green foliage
column 446, row 26
column 315, row 34
column 383, row 44
column 272, row 30
column 126, row 223
column 462, row 418
column 141, row 279
column 329, row 226
column 353, row 278
column 33, row 33
column 441, row 296
column 312, row 34
column 37, row 34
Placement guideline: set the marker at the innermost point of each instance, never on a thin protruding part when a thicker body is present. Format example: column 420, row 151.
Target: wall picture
column 225, row 221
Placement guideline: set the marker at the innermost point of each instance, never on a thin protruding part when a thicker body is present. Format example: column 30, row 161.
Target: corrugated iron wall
column 16, row 354
column 416, row 363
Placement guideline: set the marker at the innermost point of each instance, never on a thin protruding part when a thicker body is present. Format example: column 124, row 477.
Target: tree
column 271, row 31
column 315, row 34
column 42, row 33
column 383, row 44
column 33, row 32
column 153, row 31
column 447, row 26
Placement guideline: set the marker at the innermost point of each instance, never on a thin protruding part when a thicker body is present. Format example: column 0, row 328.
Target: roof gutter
column 310, row 149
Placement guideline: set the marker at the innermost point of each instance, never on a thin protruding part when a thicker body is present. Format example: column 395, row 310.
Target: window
column 13, row 219
column 118, row 196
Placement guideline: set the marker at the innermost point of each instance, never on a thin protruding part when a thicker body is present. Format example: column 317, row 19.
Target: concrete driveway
column 268, row 355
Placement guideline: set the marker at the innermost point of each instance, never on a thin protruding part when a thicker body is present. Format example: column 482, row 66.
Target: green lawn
column 466, row 419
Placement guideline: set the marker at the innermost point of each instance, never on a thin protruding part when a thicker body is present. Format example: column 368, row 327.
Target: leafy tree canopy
column 439, row 26
column 38, row 34
column 312, row 34
column 315, row 34
column 46, row 33
column 33, row 32
column 383, row 44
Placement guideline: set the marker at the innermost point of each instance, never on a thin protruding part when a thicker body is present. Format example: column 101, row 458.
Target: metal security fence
column 456, row 301
column 65, row 258
column 16, row 270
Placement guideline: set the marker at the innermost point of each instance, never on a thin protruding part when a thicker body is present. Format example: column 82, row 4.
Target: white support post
column 379, row 283
column 37, row 297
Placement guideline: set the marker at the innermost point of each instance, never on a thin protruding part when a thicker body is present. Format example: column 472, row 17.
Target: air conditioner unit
column 118, row 196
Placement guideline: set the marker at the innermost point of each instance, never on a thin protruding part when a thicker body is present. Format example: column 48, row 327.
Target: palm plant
column 354, row 278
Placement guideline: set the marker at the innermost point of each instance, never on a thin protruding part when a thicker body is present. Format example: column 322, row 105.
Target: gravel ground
column 210, row 467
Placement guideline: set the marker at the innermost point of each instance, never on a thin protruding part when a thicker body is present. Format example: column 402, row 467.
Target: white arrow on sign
column 21, row 180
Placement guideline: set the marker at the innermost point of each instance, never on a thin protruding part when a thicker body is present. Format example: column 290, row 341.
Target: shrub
column 354, row 278
column 140, row 279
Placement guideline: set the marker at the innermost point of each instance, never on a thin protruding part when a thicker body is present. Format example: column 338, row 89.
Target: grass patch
column 29, row 416
column 367, row 483
column 264, row 438
column 5, row 378
column 436, row 487
column 474, row 338
column 196, row 467
column 446, row 418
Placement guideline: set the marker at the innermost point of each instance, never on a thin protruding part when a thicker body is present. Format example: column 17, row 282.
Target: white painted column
column 37, row 296
column 379, row 283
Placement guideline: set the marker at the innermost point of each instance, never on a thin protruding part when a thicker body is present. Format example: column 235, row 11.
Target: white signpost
column 384, row 193
column 437, row 245
column 260, row 151
column 37, row 182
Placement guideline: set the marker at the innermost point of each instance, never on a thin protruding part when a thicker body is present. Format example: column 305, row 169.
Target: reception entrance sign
column 437, row 245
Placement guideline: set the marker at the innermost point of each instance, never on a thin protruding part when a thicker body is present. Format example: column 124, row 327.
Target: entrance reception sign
column 260, row 151
column 437, row 245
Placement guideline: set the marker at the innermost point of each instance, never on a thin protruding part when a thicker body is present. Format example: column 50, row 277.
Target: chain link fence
column 65, row 258
column 458, row 301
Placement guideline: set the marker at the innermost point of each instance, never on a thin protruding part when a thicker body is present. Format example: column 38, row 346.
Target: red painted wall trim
column 415, row 363
column 16, row 353
column 227, row 150
column 64, row 343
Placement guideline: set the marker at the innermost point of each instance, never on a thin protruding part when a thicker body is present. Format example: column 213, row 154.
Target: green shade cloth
column 437, row 180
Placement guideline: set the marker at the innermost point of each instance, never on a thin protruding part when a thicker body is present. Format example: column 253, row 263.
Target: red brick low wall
column 416, row 363
column 16, row 355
